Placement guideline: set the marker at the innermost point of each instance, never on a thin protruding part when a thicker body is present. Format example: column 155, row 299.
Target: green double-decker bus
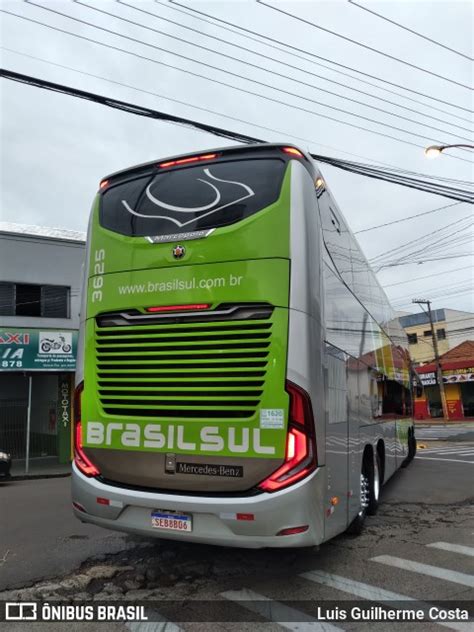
column 242, row 379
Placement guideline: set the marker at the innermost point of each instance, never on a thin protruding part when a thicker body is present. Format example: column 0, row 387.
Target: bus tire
column 375, row 479
column 411, row 448
column 357, row 525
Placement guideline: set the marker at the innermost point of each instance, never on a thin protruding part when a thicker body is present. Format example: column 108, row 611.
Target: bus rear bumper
column 214, row 520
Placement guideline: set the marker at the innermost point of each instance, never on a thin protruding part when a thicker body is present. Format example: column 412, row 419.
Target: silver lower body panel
column 214, row 519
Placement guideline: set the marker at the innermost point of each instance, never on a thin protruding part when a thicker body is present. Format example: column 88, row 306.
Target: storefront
column 36, row 392
column 458, row 377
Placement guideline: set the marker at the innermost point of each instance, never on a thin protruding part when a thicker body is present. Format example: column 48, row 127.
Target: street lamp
column 433, row 151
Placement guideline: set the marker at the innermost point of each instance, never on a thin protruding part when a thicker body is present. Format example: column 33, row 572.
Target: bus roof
column 220, row 150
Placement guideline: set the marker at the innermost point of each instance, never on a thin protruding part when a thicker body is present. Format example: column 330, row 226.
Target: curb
column 448, row 424
column 30, row 477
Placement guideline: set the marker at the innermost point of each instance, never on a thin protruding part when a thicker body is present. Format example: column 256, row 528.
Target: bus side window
column 396, row 399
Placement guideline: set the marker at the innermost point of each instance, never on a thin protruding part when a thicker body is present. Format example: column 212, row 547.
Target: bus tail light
column 82, row 461
column 292, row 151
column 300, row 456
column 178, row 308
column 185, row 161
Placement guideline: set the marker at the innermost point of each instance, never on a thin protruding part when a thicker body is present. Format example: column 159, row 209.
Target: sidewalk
column 450, row 423
column 41, row 467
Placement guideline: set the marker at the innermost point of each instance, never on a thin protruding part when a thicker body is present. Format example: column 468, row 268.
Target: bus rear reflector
column 184, row 161
column 293, row 530
column 300, row 456
column 245, row 516
column 82, row 461
column 178, row 308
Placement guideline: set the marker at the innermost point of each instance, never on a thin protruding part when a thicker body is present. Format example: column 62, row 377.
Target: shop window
column 441, row 333
column 25, row 299
column 412, row 339
column 7, row 299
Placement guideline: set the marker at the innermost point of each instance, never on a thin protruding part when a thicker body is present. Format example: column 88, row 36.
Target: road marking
column 373, row 593
column 453, row 548
column 449, row 450
column 431, row 458
column 359, row 589
column 277, row 612
column 426, row 569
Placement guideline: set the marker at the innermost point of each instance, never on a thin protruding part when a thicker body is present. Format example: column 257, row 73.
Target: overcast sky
column 55, row 149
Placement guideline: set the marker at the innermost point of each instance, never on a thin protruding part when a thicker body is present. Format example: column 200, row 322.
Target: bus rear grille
column 190, row 370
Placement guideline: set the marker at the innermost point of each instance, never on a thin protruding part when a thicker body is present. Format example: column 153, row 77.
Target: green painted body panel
column 226, row 282
column 264, row 235
column 135, row 396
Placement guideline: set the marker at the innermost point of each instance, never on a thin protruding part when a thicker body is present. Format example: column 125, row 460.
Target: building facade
column 457, row 366
column 40, row 279
column 452, row 327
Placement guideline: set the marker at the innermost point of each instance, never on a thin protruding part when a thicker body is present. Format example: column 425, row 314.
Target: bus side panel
column 305, row 369
column 79, row 375
column 338, row 404
column 306, row 333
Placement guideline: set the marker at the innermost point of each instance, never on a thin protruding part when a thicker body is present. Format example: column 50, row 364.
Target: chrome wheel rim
column 364, row 494
column 376, row 480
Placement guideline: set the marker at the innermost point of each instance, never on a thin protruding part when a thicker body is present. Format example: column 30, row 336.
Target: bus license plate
column 171, row 521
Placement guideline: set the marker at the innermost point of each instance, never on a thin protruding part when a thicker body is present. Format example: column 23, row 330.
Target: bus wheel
column 356, row 526
column 411, row 448
column 374, row 486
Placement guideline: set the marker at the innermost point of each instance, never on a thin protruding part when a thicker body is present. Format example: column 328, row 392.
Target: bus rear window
column 193, row 198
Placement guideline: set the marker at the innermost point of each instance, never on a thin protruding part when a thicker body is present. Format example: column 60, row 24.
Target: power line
column 223, row 83
column 417, row 174
column 233, row 118
column 374, row 50
column 403, row 305
column 419, row 240
column 405, row 28
column 313, row 55
column 461, row 195
column 395, row 265
column 435, row 298
column 273, row 59
column 228, row 72
column 441, row 251
column 437, row 291
column 293, row 107
column 435, row 247
column 207, row 110
column 404, row 219
column 236, row 136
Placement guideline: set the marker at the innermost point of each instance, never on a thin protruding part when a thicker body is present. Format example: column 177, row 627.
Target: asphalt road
column 446, row 432
column 40, row 537
column 418, row 546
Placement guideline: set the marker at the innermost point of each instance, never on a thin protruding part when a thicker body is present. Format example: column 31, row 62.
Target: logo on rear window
column 197, row 212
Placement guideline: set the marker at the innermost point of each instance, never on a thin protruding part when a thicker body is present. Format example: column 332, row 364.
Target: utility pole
column 439, row 373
